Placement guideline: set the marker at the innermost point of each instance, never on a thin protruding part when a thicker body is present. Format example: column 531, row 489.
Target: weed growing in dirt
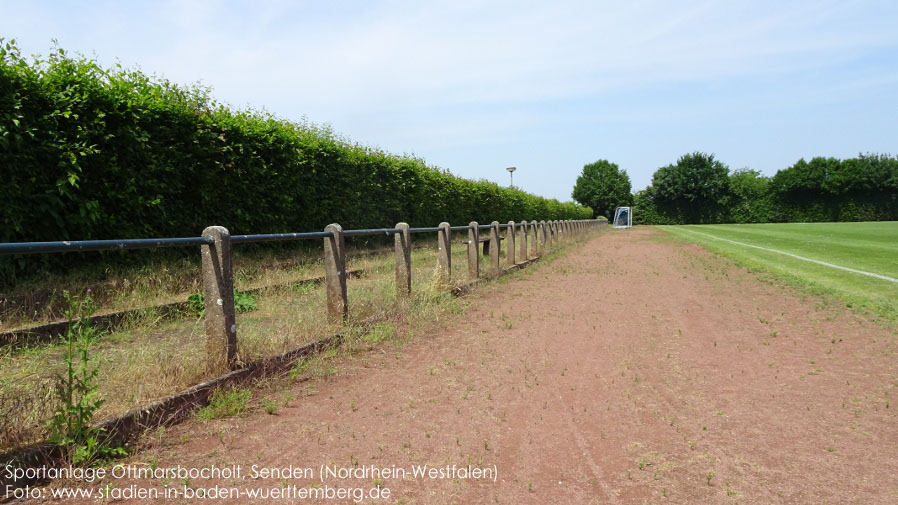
column 380, row 332
column 271, row 407
column 76, row 389
column 299, row 367
column 225, row 403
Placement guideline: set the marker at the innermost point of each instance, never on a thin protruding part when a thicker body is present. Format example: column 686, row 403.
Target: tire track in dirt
column 662, row 375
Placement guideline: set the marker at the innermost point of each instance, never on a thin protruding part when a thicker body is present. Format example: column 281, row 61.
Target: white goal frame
column 625, row 221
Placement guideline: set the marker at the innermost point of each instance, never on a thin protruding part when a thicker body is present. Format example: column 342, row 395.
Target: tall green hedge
column 93, row 153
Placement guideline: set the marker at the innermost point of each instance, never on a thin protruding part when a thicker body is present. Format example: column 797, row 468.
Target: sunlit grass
column 871, row 247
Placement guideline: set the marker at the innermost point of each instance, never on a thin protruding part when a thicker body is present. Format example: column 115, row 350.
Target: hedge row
column 94, row 153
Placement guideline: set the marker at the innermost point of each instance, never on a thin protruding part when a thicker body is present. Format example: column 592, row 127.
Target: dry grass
column 158, row 281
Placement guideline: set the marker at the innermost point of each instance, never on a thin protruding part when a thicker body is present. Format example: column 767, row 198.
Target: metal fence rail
column 99, row 245
column 523, row 240
column 279, row 237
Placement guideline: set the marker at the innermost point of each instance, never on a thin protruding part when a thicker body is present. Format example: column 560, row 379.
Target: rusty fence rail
column 524, row 240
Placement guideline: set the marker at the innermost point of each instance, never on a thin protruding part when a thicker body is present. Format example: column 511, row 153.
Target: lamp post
column 511, row 176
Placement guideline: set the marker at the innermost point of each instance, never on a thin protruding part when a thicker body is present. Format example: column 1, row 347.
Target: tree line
column 700, row 189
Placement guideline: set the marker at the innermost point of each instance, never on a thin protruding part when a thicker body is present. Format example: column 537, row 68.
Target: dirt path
column 636, row 369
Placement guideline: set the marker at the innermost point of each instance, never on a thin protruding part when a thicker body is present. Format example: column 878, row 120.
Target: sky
column 478, row 86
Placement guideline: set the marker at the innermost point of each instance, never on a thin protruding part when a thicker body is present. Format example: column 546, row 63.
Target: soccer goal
column 623, row 217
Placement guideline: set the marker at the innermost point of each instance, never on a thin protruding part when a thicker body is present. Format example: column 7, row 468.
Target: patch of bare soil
column 635, row 369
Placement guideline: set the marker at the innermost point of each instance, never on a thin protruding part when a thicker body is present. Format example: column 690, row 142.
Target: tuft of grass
column 271, row 407
column 380, row 332
column 225, row 403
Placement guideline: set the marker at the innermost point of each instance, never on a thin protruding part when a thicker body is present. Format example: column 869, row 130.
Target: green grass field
column 867, row 247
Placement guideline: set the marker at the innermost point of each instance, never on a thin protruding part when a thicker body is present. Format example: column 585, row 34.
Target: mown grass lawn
column 869, row 247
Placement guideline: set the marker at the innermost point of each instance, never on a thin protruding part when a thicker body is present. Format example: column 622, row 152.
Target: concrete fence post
column 540, row 238
column 335, row 273
column 535, row 242
column 218, row 293
column 496, row 249
column 473, row 250
column 524, row 252
column 444, row 253
column 544, row 236
column 510, row 246
column 403, row 248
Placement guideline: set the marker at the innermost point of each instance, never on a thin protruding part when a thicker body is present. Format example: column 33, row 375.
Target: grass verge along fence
column 523, row 243
column 217, row 269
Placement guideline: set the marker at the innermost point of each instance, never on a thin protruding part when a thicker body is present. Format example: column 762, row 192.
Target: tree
column 750, row 200
column 603, row 186
column 694, row 190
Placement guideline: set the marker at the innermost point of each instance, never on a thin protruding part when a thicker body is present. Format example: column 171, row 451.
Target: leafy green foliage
column 243, row 302
column 693, row 190
column 699, row 189
column 196, row 304
column 828, row 189
column 603, row 186
column 76, row 390
column 749, row 200
column 94, row 153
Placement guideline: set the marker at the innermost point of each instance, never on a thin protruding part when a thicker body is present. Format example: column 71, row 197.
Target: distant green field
column 796, row 251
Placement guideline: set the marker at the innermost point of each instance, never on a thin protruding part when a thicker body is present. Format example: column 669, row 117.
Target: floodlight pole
column 511, row 176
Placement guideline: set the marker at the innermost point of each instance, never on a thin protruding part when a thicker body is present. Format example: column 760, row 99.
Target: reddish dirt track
column 634, row 369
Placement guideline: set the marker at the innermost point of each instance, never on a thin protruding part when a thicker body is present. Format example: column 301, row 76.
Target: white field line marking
column 852, row 270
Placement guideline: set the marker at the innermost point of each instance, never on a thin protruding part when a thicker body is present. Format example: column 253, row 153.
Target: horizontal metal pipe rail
column 373, row 231
column 99, row 245
column 279, row 237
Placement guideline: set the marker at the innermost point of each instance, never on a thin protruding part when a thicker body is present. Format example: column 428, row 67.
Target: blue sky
column 475, row 87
